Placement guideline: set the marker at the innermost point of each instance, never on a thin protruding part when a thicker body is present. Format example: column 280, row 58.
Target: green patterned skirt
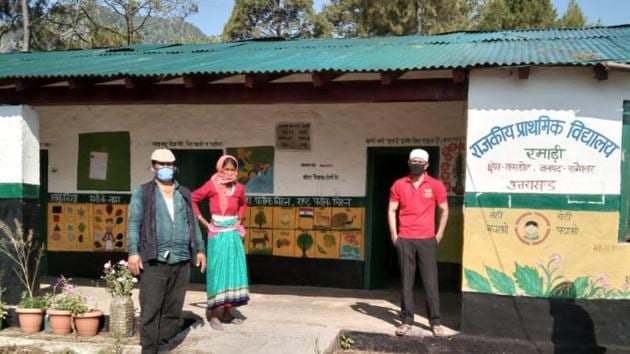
column 226, row 276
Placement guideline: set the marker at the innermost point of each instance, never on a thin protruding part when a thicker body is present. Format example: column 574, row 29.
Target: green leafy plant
column 542, row 281
column 346, row 342
column 3, row 311
column 118, row 278
column 67, row 297
column 3, row 306
column 34, row 302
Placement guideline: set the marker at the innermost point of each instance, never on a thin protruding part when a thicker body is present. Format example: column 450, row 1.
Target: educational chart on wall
column 87, row 223
column 255, row 167
column 70, row 227
column 542, row 152
column 308, row 227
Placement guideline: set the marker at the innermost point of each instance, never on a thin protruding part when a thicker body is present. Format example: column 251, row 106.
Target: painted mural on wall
column 255, row 167
column 541, row 253
column 87, row 223
column 87, row 227
column 542, row 205
column 307, row 227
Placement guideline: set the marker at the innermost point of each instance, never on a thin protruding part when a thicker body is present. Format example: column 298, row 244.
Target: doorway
column 385, row 165
column 194, row 168
column 43, row 208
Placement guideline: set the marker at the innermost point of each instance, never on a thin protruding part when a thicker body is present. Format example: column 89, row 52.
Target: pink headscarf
column 221, row 180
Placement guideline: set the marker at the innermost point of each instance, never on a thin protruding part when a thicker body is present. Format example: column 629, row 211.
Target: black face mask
column 416, row 169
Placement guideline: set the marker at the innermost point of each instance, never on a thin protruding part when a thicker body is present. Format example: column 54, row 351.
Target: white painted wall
column 497, row 98
column 338, row 136
column 19, row 145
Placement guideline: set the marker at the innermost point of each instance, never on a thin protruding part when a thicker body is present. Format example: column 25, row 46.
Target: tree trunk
column 277, row 17
column 129, row 23
column 26, row 27
column 418, row 17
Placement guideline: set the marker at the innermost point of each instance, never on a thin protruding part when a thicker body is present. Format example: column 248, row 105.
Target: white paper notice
column 98, row 165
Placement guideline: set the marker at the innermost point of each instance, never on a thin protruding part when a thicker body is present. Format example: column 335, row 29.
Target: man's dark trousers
column 162, row 291
column 421, row 252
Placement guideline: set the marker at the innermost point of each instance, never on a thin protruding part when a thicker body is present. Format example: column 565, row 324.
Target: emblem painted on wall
column 532, row 228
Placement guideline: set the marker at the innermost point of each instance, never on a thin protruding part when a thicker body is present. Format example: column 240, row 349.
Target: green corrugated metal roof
column 446, row 51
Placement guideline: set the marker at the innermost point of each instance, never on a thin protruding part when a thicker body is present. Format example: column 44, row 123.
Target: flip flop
column 216, row 324
column 403, row 329
column 232, row 320
column 438, row 331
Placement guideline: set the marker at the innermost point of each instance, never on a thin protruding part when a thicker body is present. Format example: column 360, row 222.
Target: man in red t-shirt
column 413, row 234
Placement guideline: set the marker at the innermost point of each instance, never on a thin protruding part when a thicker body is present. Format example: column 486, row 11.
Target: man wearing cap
column 413, row 234
column 163, row 238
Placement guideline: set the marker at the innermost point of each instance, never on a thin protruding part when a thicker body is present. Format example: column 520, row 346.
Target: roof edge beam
column 257, row 80
column 78, row 83
column 199, row 80
column 138, row 82
column 27, row 84
column 388, row 77
column 460, row 75
column 612, row 65
column 601, row 72
column 321, row 79
column 523, row 72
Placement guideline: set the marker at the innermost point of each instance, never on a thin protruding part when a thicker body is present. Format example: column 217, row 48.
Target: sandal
column 438, row 331
column 216, row 324
column 232, row 320
column 403, row 329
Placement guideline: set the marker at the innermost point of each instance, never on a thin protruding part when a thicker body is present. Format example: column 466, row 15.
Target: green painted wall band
column 19, row 190
column 574, row 202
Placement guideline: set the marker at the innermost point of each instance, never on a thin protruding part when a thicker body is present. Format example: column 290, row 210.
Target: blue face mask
column 165, row 174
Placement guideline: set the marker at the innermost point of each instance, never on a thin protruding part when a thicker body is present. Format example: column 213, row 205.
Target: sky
column 213, row 14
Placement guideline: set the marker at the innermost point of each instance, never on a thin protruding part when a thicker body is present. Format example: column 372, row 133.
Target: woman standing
column 226, row 278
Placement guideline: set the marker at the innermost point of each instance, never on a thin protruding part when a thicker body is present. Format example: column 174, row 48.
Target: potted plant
column 30, row 312
column 70, row 304
column 25, row 252
column 120, row 283
column 3, row 312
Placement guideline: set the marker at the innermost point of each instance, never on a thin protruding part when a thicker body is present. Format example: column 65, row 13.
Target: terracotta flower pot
column 86, row 324
column 60, row 321
column 30, row 319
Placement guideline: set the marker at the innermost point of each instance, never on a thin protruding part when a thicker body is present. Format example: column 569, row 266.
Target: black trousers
column 162, row 291
column 421, row 252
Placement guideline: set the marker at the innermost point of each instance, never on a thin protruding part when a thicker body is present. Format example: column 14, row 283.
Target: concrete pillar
column 19, row 182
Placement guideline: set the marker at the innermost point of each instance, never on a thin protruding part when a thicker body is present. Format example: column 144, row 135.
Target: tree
column 260, row 219
column 304, row 242
column 397, row 17
column 122, row 21
column 573, row 17
column 269, row 18
column 19, row 20
column 516, row 14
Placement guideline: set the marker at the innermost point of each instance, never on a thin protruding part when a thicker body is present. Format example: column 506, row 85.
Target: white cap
column 419, row 154
column 163, row 155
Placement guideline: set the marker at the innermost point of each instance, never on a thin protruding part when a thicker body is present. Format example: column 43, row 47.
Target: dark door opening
column 385, row 165
column 43, row 208
column 194, row 168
